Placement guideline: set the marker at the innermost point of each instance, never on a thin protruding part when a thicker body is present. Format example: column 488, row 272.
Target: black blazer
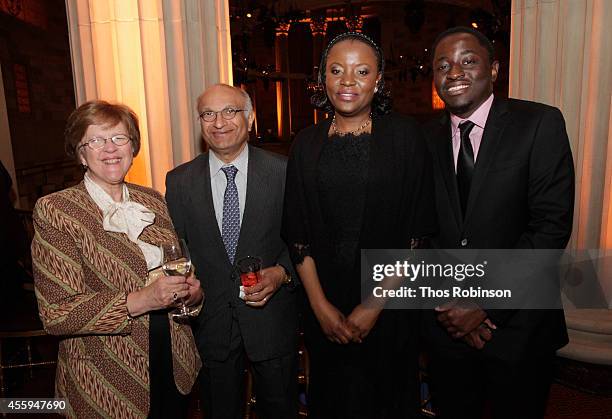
column 399, row 202
column 267, row 332
column 522, row 196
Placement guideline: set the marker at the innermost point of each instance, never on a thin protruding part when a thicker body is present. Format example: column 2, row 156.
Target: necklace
column 343, row 133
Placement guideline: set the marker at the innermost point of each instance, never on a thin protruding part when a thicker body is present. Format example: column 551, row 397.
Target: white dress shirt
column 218, row 181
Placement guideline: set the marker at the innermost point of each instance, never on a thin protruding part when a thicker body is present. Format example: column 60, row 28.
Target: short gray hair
column 248, row 105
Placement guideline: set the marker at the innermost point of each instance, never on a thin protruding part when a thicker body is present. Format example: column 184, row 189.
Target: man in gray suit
column 227, row 204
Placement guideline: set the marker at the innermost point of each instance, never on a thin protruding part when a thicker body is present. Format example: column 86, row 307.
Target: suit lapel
column 202, row 201
column 491, row 138
column 444, row 150
column 255, row 186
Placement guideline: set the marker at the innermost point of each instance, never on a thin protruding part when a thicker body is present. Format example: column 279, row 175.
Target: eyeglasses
column 227, row 114
column 97, row 143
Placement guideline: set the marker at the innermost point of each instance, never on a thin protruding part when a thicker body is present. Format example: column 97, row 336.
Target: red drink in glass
column 248, row 268
column 249, row 279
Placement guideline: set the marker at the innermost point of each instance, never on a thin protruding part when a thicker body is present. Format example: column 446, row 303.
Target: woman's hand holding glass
column 162, row 293
column 195, row 290
column 177, row 261
column 179, row 288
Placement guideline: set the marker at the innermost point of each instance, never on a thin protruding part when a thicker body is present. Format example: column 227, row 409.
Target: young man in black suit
column 227, row 204
column 504, row 179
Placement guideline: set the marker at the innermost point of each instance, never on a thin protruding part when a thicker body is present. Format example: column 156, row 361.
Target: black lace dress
column 342, row 194
column 341, row 180
column 354, row 375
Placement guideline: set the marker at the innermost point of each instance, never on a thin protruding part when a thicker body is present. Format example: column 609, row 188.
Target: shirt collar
column 102, row 199
column 240, row 162
column 479, row 117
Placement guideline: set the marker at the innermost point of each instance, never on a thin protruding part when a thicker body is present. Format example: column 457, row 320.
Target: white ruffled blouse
column 125, row 217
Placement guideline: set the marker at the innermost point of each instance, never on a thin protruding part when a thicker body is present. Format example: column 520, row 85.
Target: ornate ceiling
column 285, row 5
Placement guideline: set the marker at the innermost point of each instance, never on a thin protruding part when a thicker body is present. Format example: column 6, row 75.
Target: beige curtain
column 156, row 56
column 561, row 54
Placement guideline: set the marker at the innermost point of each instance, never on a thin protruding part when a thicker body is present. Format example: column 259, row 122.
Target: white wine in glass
column 177, row 262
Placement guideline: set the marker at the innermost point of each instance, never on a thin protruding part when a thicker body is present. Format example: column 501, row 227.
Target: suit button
column 464, row 242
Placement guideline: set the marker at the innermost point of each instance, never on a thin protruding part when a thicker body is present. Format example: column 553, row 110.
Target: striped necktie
column 230, row 225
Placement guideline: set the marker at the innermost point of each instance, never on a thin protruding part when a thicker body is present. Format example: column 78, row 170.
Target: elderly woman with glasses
column 95, row 254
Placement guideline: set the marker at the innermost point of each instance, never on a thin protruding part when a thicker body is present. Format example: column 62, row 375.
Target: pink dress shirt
column 479, row 118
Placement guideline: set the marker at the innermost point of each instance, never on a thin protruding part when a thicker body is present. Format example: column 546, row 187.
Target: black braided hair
column 381, row 102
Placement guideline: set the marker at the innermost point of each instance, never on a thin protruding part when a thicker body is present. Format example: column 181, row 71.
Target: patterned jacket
column 82, row 276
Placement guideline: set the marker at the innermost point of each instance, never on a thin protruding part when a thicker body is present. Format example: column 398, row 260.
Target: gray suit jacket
column 267, row 332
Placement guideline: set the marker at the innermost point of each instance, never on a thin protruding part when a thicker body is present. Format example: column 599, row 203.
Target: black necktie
column 465, row 164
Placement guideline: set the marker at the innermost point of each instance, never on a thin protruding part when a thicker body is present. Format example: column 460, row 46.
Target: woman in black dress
column 360, row 179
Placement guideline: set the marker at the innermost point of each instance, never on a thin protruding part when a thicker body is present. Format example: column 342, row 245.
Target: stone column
column 283, row 96
column 156, row 56
column 561, row 54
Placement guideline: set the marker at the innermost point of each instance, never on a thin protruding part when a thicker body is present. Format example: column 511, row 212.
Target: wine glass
column 177, row 262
